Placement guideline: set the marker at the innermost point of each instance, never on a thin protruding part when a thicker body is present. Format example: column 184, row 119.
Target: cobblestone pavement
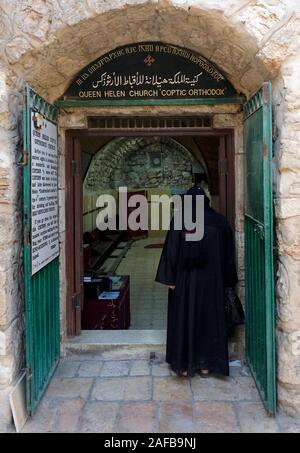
column 92, row 394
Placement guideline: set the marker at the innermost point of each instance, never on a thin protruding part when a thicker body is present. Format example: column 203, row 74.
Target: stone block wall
column 141, row 162
column 11, row 270
column 287, row 209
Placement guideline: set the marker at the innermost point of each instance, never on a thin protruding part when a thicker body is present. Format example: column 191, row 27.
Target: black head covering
column 194, row 192
column 197, row 190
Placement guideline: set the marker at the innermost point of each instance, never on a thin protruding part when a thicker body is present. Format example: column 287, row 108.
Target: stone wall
column 11, row 280
column 141, row 162
column 47, row 42
column 246, row 39
column 287, row 208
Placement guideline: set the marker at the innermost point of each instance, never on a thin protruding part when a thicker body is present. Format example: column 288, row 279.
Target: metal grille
column 256, row 309
column 260, row 309
column 150, row 123
column 41, row 289
column 253, row 105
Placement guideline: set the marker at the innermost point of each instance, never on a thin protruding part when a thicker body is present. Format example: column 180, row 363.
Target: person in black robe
column 197, row 273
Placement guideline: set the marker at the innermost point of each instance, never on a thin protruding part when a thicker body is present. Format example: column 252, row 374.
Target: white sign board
column 44, row 194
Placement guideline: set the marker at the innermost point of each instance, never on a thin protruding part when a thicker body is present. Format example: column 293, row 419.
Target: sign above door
column 150, row 72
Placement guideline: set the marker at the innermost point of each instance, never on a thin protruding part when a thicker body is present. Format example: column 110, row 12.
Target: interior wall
column 141, row 162
column 127, row 161
column 90, row 210
column 158, row 165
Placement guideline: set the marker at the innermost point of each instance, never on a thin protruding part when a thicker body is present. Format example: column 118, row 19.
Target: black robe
column 196, row 334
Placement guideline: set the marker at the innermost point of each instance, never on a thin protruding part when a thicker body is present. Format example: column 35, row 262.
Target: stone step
column 128, row 344
column 114, row 345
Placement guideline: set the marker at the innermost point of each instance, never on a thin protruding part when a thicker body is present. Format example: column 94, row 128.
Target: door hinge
column 28, row 372
column 25, row 159
column 76, row 301
column 223, row 166
column 74, row 167
column 259, row 230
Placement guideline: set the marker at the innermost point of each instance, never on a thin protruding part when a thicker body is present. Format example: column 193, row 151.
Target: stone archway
column 127, row 162
column 47, row 43
column 52, row 42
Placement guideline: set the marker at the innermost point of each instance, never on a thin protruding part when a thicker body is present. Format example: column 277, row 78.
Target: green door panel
column 42, row 288
column 260, row 306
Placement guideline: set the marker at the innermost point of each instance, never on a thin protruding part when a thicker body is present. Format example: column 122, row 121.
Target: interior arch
column 114, row 164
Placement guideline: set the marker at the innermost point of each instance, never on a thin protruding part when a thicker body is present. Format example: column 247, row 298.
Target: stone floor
column 148, row 299
column 90, row 393
column 123, row 388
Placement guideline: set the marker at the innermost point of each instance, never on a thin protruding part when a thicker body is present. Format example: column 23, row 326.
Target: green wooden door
column 260, row 310
column 41, row 249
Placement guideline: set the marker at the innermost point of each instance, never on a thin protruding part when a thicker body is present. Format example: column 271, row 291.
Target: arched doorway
column 159, row 90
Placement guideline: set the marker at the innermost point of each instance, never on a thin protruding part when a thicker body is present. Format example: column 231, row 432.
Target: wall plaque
column 150, row 70
column 44, row 192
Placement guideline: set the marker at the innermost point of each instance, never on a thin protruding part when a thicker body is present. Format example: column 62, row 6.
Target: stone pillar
column 287, row 204
column 11, row 310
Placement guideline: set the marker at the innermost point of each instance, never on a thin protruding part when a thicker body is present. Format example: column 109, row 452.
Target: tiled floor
column 92, row 394
column 148, row 299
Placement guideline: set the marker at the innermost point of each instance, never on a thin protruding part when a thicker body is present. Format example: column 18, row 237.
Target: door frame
column 74, row 208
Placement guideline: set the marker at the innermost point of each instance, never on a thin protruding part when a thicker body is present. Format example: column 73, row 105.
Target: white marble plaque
column 44, row 194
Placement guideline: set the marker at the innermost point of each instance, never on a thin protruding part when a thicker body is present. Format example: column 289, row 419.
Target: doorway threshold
column 116, row 342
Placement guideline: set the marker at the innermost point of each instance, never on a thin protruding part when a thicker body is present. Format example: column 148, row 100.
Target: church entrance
column 111, row 273
column 154, row 132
